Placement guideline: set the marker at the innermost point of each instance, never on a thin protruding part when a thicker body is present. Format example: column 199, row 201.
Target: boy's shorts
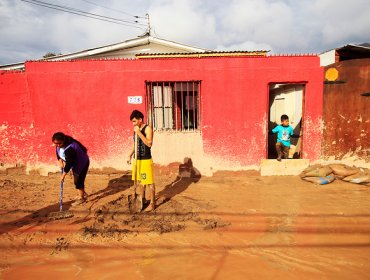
column 144, row 171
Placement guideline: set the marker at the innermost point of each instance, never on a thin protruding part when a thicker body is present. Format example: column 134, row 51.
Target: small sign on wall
column 135, row 100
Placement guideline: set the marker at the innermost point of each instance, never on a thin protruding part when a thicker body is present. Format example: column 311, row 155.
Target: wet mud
column 233, row 225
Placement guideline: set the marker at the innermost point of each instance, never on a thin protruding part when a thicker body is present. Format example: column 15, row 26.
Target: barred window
column 173, row 105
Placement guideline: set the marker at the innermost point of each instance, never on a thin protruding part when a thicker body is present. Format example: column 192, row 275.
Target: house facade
column 216, row 110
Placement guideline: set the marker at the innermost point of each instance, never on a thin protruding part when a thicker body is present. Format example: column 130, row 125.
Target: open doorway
column 288, row 99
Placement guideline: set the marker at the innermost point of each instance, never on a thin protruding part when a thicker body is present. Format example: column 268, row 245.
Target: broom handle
column 135, row 159
column 61, row 194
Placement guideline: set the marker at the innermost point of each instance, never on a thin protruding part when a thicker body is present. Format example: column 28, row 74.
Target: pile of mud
column 114, row 220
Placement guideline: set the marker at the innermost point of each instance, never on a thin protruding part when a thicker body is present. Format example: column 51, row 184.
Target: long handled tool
column 61, row 214
column 135, row 201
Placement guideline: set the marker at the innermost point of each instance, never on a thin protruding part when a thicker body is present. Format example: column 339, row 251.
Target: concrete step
column 272, row 167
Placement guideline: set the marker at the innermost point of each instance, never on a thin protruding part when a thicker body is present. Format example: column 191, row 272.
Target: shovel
column 61, row 214
column 135, row 201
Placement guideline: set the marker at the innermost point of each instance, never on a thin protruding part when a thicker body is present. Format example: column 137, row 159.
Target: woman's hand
column 63, row 177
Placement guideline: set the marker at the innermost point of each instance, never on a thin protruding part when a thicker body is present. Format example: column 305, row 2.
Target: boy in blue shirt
column 284, row 132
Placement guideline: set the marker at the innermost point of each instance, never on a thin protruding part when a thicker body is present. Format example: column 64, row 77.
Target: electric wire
column 108, row 8
column 73, row 10
column 85, row 14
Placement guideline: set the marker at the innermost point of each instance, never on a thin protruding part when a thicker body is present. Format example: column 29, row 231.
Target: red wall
column 88, row 99
column 15, row 118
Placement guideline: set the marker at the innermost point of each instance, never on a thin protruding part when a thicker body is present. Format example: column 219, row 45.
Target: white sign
column 135, row 100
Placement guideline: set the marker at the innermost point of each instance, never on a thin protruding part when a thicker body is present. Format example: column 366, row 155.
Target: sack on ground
column 316, row 171
column 320, row 180
column 343, row 170
column 358, row 178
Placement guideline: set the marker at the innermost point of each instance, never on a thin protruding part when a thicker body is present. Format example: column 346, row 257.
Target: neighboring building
column 347, row 52
column 126, row 49
column 347, row 104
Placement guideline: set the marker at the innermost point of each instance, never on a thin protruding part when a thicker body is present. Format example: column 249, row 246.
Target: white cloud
column 182, row 21
column 283, row 26
column 245, row 46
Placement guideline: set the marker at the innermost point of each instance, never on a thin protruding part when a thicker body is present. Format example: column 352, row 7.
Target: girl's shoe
column 79, row 201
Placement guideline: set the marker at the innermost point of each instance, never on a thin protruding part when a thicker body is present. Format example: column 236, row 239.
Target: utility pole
column 149, row 28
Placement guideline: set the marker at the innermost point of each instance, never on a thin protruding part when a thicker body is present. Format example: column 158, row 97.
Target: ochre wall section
column 347, row 110
column 89, row 100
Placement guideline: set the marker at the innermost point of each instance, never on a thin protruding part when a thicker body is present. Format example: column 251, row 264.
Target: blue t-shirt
column 284, row 133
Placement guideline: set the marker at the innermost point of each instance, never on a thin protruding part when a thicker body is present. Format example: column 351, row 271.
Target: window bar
column 194, row 122
column 169, row 105
column 187, row 104
column 163, row 107
column 164, row 98
column 152, row 103
column 148, row 103
column 174, row 94
column 154, row 90
column 171, row 111
column 199, row 101
column 182, row 107
column 158, row 104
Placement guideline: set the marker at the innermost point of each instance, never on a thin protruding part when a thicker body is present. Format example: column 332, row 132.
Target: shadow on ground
column 186, row 176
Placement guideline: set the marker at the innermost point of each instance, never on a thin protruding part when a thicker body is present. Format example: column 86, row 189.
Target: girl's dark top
column 143, row 151
column 76, row 157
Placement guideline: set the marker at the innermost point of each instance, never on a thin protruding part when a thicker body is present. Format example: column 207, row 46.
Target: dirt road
column 233, row 225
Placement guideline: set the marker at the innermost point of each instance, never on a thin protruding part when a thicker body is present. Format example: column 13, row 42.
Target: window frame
column 184, row 109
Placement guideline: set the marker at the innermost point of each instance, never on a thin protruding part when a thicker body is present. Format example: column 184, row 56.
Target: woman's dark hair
column 60, row 136
column 66, row 139
column 136, row 115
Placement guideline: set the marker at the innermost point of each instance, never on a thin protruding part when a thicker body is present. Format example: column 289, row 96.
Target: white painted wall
column 327, row 58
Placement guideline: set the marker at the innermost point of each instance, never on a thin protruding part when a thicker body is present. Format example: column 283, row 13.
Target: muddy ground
column 233, row 225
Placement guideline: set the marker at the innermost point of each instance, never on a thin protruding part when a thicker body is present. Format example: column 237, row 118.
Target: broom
column 60, row 214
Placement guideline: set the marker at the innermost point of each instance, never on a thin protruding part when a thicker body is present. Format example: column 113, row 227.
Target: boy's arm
column 130, row 154
column 275, row 129
column 148, row 139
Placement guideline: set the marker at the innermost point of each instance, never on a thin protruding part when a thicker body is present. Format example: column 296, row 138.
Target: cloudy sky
column 29, row 31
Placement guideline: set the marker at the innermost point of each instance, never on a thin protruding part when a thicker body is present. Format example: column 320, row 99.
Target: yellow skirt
column 144, row 171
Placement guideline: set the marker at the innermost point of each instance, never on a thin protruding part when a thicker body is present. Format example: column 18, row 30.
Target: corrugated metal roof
column 365, row 48
column 259, row 53
column 136, row 42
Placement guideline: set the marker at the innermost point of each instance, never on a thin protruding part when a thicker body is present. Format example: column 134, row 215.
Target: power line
column 80, row 12
column 108, row 8
column 85, row 14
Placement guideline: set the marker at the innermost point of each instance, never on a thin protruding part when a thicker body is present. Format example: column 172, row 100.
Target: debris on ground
column 325, row 174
